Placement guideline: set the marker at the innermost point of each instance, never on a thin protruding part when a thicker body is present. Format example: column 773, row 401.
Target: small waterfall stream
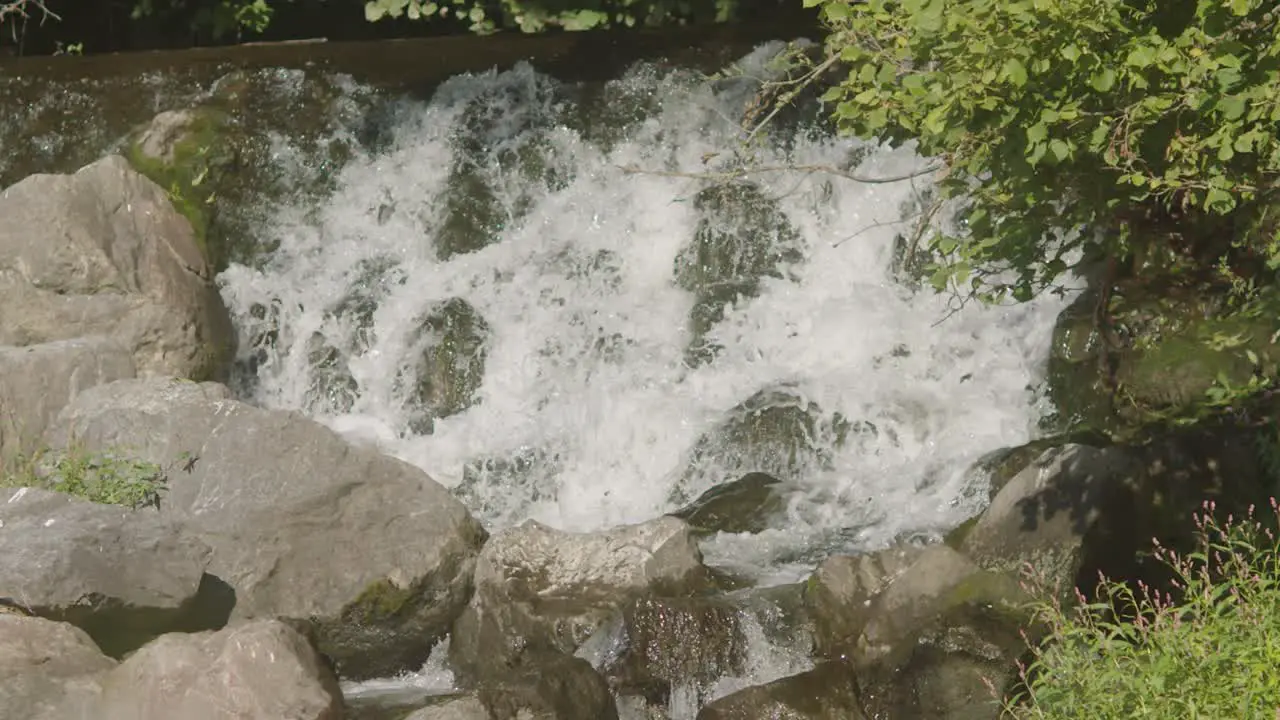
column 490, row 294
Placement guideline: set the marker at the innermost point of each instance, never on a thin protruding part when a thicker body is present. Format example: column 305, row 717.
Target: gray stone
column 261, row 670
column 37, row 381
column 47, row 668
column 124, row 576
column 466, row 707
column 539, row 588
column 103, row 252
column 369, row 549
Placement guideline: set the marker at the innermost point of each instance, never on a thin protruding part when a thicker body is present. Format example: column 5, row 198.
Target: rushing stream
column 490, row 295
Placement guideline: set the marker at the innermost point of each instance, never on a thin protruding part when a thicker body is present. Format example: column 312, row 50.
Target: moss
column 955, row 538
column 380, row 601
column 189, row 177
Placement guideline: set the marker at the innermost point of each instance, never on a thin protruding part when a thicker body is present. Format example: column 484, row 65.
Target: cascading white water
column 619, row 419
column 585, row 367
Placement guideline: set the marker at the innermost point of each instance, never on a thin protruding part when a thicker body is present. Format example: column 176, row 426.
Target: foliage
column 1210, row 653
column 221, row 17
column 1089, row 116
column 110, row 478
column 540, row 15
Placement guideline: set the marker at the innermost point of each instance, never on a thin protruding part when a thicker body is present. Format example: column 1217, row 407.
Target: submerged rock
column 368, row 550
column 776, row 432
column 541, row 589
column 102, row 252
column 451, row 343
column 122, row 603
column 742, row 238
column 333, row 389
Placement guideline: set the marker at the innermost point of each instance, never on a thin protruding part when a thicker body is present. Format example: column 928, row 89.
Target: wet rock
column 777, row 432
column 551, row 686
column 925, row 628
column 451, row 343
column 102, row 252
column 333, row 389
column 369, row 550
column 745, row 505
column 541, row 589
column 46, row 667
column 370, row 282
column 742, row 238
column 121, row 602
column 827, row 692
column 261, row 670
column 37, row 381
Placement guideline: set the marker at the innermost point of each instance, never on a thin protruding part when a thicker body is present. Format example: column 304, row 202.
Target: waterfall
column 522, row 290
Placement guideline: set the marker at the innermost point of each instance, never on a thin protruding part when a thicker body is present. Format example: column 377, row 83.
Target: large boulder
column 369, row 550
column 103, row 252
column 47, row 668
column 37, row 381
column 260, row 670
column 541, row 589
column 143, row 577
column 927, row 631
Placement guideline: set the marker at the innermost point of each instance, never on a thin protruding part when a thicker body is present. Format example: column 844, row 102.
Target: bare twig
column 22, row 9
column 810, row 169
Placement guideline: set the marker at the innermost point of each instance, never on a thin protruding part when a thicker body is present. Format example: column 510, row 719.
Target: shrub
column 1095, row 117
column 1211, row 651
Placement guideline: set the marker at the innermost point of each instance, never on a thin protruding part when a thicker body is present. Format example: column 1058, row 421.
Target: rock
column 924, row 628
column 1080, row 510
column 102, row 252
column 370, row 550
column 542, row 589
column 37, row 381
column 332, row 389
column 451, row 343
column 745, row 505
column 465, row 707
column 742, row 238
column 68, row 559
column 552, row 686
column 657, row 644
column 261, row 670
column 827, row 692
column 1048, row 512
column 776, row 431
column 46, row 667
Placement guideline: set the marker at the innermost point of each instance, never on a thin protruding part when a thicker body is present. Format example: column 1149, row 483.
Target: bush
column 1097, row 118
column 1210, row 652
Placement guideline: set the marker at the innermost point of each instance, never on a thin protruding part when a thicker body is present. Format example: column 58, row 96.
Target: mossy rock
column 189, row 153
column 451, row 342
column 742, row 237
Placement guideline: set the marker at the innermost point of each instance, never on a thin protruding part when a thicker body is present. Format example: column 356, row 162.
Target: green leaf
column 1141, row 56
column 1103, row 80
column 1219, row 201
column 1037, row 133
column 1071, row 53
column 1060, row 149
column 1232, row 107
column 1015, row 72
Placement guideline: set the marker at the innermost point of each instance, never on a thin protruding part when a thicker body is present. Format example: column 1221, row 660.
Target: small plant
column 110, row 478
column 1209, row 652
